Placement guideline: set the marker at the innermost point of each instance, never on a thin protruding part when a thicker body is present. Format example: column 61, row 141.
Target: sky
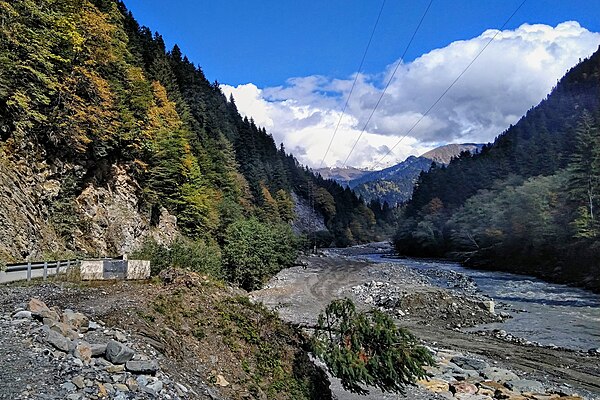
column 290, row 65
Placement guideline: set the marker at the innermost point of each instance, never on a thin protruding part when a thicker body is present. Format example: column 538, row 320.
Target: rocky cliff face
column 307, row 219
column 38, row 221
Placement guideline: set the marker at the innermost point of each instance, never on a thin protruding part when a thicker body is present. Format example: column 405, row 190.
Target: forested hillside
column 106, row 135
column 527, row 203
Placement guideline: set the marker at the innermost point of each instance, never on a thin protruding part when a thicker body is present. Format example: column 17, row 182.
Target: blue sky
column 268, row 41
column 283, row 60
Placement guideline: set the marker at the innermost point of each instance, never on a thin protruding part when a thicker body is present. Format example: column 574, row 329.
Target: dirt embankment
column 435, row 315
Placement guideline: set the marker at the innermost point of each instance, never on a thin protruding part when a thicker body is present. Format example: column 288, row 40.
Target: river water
column 547, row 313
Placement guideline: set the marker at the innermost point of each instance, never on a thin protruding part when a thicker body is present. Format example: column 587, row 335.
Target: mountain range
column 394, row 184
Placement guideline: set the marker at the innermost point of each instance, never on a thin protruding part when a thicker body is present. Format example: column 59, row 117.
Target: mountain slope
column 527, row 203
column 119, row 137
column 394, row 185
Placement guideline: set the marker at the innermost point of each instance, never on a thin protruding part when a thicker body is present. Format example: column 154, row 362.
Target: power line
column 388, row 82
column 353, row 83
column 451, row 85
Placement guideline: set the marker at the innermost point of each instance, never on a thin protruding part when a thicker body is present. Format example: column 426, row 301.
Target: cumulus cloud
column 515, row 72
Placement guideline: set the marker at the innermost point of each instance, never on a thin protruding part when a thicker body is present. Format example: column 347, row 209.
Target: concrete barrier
column 138, row 269
column 92, row 270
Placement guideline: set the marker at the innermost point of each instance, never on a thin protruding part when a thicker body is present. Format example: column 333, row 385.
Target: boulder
column 22, row 315
column 40, row 310
column 77, row 321
column 469, row 363
column 462, row 387
column 499, row 374
column 83, row 351
column 98, row 350
column 58, row 341
column 118, row 353
column 61, row 328
column 525, row 385
column 142, row 367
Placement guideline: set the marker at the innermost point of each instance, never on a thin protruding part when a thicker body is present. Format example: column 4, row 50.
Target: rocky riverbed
column 471, row 365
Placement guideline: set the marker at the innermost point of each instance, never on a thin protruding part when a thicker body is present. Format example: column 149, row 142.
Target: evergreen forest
column 82, row 83
column 527, row 203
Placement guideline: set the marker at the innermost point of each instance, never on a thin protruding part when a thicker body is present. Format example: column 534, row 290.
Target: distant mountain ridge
column 341, row 175
column 394, row 184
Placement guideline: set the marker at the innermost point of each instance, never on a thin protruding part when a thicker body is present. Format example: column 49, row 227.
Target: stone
column 92, row 326
column 76, row 321
column 118, row 353
column 78, row 381
column 58, row 341
column 83, row 351
column 40, row 310
column 132, row 384
column 111, row 369
column 98, row 350
column 142, row 367
column 158, row 385
column 120, row 336
column 142, row 380
column 488, row 305
column 525, row 385
column 469, row 363
column 22, row 315
column 69, row 386
column 462, row 387
column 498, row 374
column 121, row 387
column 102, row 392
column 221, row 381
column 434, row 385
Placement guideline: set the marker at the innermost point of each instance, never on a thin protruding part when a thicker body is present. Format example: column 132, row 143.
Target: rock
column 40, row 310
column 92, row 326
column 118, row 353
column 58, row 341
column 158, row 386
column 69, row 386
column 221, row 381
column 78, row 381
column 488, row 305
column 462, row 387
column 61, row 328
column 434, row 385
column 469, row 363
column 120, row 336
column 83, row 351
column 76, row 321
column 499, row 374
column 22, row 315
column 102, row 391
column 98, row 350
column 111, row 369
column 121, row 387
column 525, row 385
column 132, row 385
column 142, row 367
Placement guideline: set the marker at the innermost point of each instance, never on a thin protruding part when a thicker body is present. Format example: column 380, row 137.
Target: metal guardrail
column 44, row 265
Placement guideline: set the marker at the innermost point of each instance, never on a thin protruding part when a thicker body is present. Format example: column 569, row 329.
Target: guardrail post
column 28, row 271
column 45, row 270
column 57, row 268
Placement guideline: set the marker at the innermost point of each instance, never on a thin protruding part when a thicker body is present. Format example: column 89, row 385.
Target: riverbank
column 435, row 315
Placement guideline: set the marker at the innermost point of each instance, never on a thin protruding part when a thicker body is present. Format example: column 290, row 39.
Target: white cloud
column 515, row 72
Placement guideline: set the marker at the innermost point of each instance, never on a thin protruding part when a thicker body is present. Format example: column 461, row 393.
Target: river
column 542, row 312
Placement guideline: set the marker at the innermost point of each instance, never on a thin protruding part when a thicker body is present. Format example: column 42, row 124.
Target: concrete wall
column 138, row 269
column 101, row 269
column 92, row 270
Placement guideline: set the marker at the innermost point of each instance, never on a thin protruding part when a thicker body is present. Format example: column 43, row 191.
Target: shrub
column 196, row 256
column 254, row 251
